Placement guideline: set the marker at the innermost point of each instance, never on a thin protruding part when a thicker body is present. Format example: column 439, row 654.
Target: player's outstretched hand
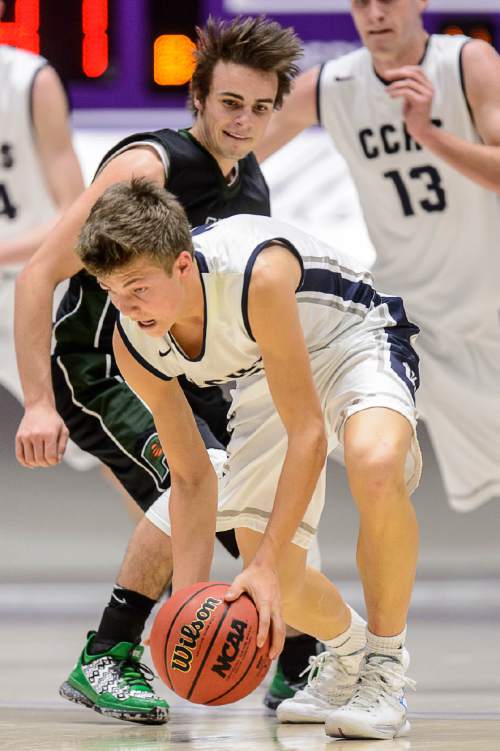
column 261, row 583
column 41, row 437
column 410, row 84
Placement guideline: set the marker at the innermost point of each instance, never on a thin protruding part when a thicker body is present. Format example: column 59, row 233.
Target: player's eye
column 140, row 290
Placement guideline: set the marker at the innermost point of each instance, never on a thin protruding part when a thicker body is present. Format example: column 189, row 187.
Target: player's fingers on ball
column 234, row 591
column 264, row 621
column 278, row 634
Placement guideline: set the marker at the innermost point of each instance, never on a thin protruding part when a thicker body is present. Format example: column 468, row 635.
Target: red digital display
column 95, row 56
column 74, row 36
column 23, row 31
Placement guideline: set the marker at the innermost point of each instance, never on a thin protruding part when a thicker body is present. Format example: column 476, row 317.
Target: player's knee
column 375, row 472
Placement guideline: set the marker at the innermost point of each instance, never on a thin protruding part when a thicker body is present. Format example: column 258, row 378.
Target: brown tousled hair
column 130, row 220
column 254, row 42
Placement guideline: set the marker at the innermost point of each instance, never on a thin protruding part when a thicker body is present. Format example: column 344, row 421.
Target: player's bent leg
column 377, row 442
column 312, row 604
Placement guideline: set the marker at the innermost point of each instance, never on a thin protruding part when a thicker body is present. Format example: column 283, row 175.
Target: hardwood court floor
column 456, row 706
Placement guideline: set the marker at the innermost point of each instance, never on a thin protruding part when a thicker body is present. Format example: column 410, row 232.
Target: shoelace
column 373, row 681
column 327, row 668
column 136, row 674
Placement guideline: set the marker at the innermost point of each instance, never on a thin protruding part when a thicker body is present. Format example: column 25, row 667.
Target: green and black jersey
column 85, row 319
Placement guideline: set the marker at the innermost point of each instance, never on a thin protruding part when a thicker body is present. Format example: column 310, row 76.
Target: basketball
column 205, row 649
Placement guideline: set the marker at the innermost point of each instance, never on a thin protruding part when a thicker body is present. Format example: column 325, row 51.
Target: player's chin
column 239, row 147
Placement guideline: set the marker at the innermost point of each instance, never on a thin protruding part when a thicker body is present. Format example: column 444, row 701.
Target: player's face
column 144, row 292
column 388, row 27
column 232, row 119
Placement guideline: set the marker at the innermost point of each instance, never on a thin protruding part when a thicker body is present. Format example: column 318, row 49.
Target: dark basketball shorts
column 105, row 418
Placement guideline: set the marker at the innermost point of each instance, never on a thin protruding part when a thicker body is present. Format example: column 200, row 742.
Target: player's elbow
column 199, row 480
column 313, row 441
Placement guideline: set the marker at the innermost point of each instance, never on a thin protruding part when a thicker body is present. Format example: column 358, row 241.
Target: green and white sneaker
column 114, row 683
column 282, row 688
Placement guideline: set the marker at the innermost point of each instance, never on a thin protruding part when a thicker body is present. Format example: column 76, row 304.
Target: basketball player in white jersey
column 417, row 118
column 320, row 360
column 39, row 178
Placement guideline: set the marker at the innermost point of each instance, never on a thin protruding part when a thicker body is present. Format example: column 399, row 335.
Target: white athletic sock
column 352, row 640
column 385, row 645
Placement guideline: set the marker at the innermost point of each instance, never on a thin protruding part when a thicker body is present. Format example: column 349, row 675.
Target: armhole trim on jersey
column 32, row 86
column 150, row 143
column 200, row 258
column 247, row 275
column 202, row 266
column 135, row 354
column 318, row 94
column 462, row 79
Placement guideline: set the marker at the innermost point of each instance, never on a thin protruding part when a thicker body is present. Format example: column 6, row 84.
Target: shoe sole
column 67, row 691
column 288, row 716
column 353, row 731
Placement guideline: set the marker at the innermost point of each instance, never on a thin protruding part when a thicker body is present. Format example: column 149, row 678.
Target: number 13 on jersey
column 435, row 200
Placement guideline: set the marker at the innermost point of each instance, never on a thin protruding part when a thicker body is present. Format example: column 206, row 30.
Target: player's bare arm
column 298, row 112
column 193, row 498
column 42, row 435
column 59, row 162
column 481, row 69
column 275, row 323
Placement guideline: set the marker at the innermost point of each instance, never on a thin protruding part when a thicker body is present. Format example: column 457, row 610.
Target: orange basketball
column 205, row 649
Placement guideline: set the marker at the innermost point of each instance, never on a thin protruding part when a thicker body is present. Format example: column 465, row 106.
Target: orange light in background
column 23, row 32
column 95, row 58
column 173, row 61
column 481, row 32
column 476, row 31
column 454, row 30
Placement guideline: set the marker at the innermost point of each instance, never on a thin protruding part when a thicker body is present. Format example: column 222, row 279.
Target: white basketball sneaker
column 331, row 682
column 378, row 707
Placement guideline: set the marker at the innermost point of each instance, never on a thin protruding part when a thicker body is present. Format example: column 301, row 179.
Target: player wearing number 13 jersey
column 417, row 118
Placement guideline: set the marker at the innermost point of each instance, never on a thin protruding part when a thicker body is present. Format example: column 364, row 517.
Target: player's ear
column 184, row 262
column 197, row 102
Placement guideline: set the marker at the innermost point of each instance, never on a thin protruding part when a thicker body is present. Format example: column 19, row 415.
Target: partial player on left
column 40, row 177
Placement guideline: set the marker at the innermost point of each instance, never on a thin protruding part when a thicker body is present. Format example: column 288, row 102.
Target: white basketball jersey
column 25, row 200
column 434, row 230
column 336, row 300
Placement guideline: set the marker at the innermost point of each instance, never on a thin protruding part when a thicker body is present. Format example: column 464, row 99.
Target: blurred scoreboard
column 139, row 53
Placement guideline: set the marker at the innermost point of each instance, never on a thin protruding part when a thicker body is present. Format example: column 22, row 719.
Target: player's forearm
column 478, row 162
column 193, row 511
column 33, row 331
column 20, row 250
column 304, row 460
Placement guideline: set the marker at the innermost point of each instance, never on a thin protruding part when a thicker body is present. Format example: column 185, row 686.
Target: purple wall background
column 131, row 53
